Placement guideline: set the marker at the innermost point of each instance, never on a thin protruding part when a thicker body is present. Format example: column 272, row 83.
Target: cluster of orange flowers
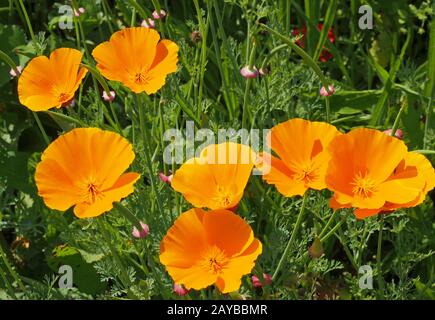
column 85, row 168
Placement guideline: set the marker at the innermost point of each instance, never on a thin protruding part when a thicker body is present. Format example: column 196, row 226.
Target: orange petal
column 35, row 85
column 227, row 231
column 47, row 83
column 230, row 279
column 56, row 186
column 298, row 141
column 281, row 176
column 121, row 189
column 205, row 182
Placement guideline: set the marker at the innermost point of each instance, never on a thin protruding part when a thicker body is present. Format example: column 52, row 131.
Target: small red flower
column 325, row 55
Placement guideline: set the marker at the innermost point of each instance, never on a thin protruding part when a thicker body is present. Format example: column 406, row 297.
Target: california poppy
column 136, row 57
column 413, row 164
column 85, row 168
column 369, row 169
column 51, row 82
column 217, row 178
column 302, row 163
column 204, row 248
column 325, row 55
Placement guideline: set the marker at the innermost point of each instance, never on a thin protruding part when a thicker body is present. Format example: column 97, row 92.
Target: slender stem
column 247, row 86
column 7, row 284
column 29, row 25
column 328, row 224
column 41, row 128
column 125, row 279
column 281, row 262
column 426, row 125
column 203, row 29
column 64, row 117
column 379, row 254
column 128, row 215
column 146, row 141
column 345, row 247
column 332, row 231
column 328, row 108
column 306, row 57
column 11, row 269
column 397, row 120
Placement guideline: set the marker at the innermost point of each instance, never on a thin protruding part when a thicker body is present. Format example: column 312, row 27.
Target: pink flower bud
column 325, row 93
column 148, row 23
column 249, row 73
column 179, row 290
column 267, row 280
column 79, row 11
column 398, row 134
column 109, row 97
column 256, row 282
column 143, row 233
column 164, row 178
column 160, row 15
column 14, row 74
column 263, row 71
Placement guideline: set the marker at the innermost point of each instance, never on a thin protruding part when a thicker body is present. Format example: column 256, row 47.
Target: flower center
column 363, row 185
column 93, row 193
column 306, row 174
column 141, row 77
column 223, row 197
column 214, row 260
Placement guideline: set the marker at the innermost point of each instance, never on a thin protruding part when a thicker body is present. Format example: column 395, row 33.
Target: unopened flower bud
column 160, row 15
column 398, row 134
column 165, row 178
column 248, row 73
column 325, row 93
column 143, row 233
column 195, row 36
column 148, row 23
column 109, row 97
column 14, row 73
column 79, row 11
column 179, row 290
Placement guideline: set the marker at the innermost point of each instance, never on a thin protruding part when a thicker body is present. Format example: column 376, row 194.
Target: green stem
column 379, row 254
column 397, row 120
column 64, row 117
column 9, row 61
column 128, row 215
column 11, row 269
column 306, row 57
column 332, row 231
column 146, row 142
column 426, row 125
column 203, row 29
column 328, row 108
column 29, row 25
column 328, row 224
column 125, row 279
column 282, row 261
column 41, row 128
column 247, row 87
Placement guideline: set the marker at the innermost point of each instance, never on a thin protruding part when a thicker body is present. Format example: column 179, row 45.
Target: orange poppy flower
column 413, row 164
column 135, row 57
column 85, row 168
column 217, row 178
column 366, row 171
column 302, row 163
column 51, row 82
column 204, row 248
